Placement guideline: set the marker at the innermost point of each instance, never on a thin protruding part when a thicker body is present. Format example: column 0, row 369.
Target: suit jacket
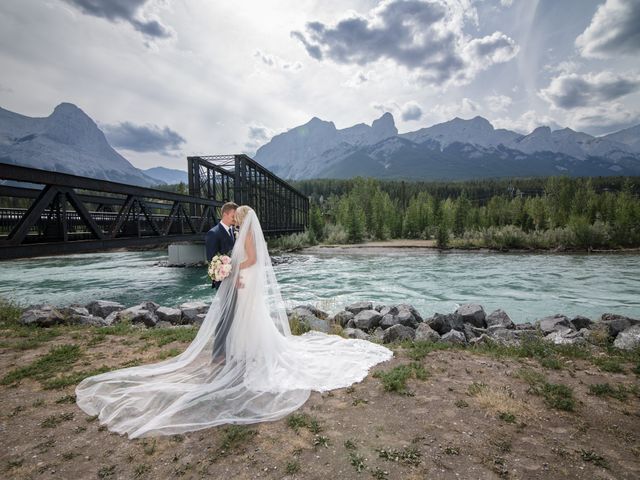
column 217, row 242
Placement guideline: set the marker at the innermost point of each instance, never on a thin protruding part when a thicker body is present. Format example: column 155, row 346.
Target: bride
column 265, row 372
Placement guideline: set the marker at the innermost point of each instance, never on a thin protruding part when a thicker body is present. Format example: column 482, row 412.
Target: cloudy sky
column 170, row 78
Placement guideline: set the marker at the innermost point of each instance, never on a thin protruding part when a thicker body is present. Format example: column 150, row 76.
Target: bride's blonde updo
column 241, row 212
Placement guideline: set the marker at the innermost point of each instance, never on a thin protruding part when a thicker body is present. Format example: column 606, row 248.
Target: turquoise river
column 526, row 286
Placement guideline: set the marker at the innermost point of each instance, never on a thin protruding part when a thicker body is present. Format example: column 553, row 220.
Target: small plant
column 461, row 403
column 149, row 447
column 292, row 467
column 555, row 396
column 298, row 325
column 357, row 461
column 552, row 362
column 14, row 463
column 606, row 390
column 320, row 441
column 609, row 364
column 395, row 380
column 107, row 471
column 507, row 417
column 409, row 455
column 235, row 435
column 379, row 474
column 69, row 455
column 349, row 445
column 140, row 470
column 53, row 421
column 67, row 399
column 296, row 421
column 591, row 456
column 450, row 450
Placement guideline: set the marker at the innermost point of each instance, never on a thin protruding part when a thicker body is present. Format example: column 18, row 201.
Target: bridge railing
column 72, row 214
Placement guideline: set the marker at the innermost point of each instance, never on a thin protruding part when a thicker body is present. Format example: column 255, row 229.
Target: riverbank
column 437, row 410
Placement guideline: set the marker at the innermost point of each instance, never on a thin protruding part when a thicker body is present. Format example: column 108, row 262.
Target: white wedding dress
column 267, row 373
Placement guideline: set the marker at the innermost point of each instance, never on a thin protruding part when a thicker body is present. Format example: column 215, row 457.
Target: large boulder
column 343, row 317
column 506, row 336
column 454, row 336
column 397, row 333
column 388, row 310
column 138, row 314
column 406, row 318
column 553, row 323
column 617, row 323
column 358, row 307
column 425, row 333
column 367, row 319
column 579, row 322
column 191, row 310
column 388, row 320
column 310, row 309
column 416, row 315
column 44, row 316
column 171, row 315
column 566, row 336
column 443, row 323
column 628, row 339
column 472, row 314
column 102, row 308
column 356, row 333
column 73, row 313
column 93, row 321
column 499, row 318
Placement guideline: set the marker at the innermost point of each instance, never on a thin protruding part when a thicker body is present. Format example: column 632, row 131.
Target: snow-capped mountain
column 457, row 149
column 66, row 141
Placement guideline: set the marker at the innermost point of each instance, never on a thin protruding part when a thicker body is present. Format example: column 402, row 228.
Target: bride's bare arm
column 250, row 250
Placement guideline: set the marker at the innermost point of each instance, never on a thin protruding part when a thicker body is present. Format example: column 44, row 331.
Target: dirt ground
column 466, row 415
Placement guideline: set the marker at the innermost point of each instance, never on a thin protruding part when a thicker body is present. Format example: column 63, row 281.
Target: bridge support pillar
column 186, row 254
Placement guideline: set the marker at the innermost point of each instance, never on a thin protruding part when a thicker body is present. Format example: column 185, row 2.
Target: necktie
column 231, row 233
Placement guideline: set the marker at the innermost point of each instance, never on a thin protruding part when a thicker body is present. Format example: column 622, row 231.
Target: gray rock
column 393, row 310
column 45, row 316
column 473, row 314
column 406, row 318
column 416, row 315
column 499, row 317
column 138, row 314
column 379, row 307
column 378, row 334
column 199, row 318
column 566, row 336
column 356, row 333
column 149, row 305
column 191, row 310
column 358, row 307
column 316, row 312
column 343, row 317
column 163, row 324
column 505, row 336
column 581, row 322
column 171, row 315
column 628, row 339
column 617, row 323
column 553, row 323
column 111, row 318
column 443, row 323
column 317, row 324
column 72, row 312
column 425, row 333
column 102, row 308
column 388, row 320
column 351, row 323
column 454, row 336
column 398, row 333
column 483, row 339
column 471, row 332
column 367, row 319
column 93, row 321
column 525, row 326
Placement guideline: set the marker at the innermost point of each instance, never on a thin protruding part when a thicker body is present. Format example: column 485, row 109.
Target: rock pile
column 468, row 325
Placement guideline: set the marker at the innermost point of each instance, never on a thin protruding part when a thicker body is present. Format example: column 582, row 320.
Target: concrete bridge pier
column 181, row 254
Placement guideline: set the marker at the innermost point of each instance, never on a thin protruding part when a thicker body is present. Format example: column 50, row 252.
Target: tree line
column 528, row 213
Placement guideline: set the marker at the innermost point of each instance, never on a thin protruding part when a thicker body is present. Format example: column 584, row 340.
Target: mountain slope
column 453, row 150
column 67, row 141
column 167, row 175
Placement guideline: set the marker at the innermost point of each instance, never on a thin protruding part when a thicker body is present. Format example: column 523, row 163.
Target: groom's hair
column 228, row 206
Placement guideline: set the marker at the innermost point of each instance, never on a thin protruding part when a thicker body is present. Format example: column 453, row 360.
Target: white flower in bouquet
column 219, row 267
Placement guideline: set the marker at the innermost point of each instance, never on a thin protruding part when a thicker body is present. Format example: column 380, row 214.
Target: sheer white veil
column 266, row 374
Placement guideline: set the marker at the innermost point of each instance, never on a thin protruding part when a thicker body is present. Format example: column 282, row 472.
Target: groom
column 219, row 241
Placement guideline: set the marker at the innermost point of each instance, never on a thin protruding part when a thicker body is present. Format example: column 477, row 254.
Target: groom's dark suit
column 219, row 241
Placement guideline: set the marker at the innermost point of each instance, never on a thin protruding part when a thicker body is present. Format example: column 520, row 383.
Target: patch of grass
column 43, row 447
column 557, row 396
column 395, row 380
column 409, row 455
column 296, row 421
column 149, row 446
column 609, row 364
column 172, row 352
column 507, row 417
column 10, row 312
column 69, row 455
column 605, row 390
column 63, row 381
column 107, row 471
column 119, row 329
column 451, row 450
column 58, row 359
column 379, row 474
column 349, row 445
column 461, row 403
column 357, row 461
column 164, row 336
column 67, row 399
column 499, row 400
column 53, row 421
column 591, row 456
column 553, row 362
column 420, row 349
column 140, row 470
column 235, row 436
column 292, row 467
column 14, row 463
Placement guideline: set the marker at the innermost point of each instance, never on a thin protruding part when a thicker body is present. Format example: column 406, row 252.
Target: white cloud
column 498, row 103
column 526, row 123
column 411, row 111
column 614, row 30
column 603, row 118
column 276, row 62
column 572, row 90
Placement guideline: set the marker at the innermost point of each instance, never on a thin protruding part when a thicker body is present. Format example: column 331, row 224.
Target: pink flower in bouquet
column 225, row 259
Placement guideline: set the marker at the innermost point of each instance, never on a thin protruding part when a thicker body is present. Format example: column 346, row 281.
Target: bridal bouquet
column 219, row 268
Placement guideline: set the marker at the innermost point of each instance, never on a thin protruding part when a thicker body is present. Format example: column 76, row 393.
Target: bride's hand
column 239, row 283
